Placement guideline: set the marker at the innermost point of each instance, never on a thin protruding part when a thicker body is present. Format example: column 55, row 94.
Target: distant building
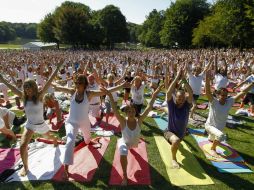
column 39, row 46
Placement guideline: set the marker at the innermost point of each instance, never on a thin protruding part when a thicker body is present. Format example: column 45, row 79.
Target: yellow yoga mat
column 190, row 172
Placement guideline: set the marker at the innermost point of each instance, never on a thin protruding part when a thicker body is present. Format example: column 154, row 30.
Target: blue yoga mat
column 234, row 170
column 161, row 123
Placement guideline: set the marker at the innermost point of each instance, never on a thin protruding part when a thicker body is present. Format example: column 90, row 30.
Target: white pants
column 214, row 133
column 71, row 133
column 4, row 90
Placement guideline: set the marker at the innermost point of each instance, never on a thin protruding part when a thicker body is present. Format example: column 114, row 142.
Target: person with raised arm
column 78, row 116
column 33, row 106
column 179, row 105
column 130, row 127
column 218, row 111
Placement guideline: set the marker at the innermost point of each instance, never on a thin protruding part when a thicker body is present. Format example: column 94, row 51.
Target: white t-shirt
column 220, row 82
column 196, row 83
column 218, row 113
column 4, row 111
column 137, row 95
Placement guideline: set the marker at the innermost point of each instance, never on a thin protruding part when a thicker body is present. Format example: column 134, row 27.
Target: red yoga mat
column 86, row 161
column 53, row 123
column 113, row 124
column 138, row 170
column 49, row 141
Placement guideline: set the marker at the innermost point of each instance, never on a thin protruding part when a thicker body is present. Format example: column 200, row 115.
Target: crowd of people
column 93, row 78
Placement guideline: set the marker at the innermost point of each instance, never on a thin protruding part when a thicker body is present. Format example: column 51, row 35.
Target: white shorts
column 40, row 129
column 214, row 133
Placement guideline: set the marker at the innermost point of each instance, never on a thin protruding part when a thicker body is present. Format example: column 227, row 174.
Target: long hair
column 81, row 78
column 29, row 83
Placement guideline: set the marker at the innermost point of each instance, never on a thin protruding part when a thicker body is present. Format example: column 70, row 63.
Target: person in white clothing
column 4, row 90
column 34, row 112
column 221, row 72
column 137, row 94
column 130, row 127
column 218, row 112
column 78, row 116
column 195, row 81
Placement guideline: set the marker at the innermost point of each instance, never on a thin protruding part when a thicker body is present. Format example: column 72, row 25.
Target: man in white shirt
column 218, row 112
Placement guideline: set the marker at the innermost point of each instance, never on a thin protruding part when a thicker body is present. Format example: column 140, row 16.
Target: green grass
column 241, row 138
column 10, row 46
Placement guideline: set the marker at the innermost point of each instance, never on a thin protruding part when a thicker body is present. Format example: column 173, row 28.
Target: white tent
column 39, row 45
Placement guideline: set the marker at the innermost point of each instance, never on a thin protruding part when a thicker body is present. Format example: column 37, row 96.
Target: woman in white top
column 34, row 111
column 78, row 116
column 137, row 94
column 130, row 127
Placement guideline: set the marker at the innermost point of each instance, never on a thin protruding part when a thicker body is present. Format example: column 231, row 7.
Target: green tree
column 134, row 32
column 180, row 20
column 114, row 25
column 45, row 29
column 7, row 33
column 228, row 25
column 71, row 23
column 151, row 28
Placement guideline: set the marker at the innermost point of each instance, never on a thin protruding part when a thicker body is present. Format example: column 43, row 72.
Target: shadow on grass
column 232, row 181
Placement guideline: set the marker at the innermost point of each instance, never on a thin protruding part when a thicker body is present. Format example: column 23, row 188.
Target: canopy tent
column 39, row 45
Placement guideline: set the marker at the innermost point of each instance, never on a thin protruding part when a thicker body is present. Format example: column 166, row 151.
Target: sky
column 33, row 11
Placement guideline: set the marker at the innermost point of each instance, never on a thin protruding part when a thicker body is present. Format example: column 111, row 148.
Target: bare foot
column 65, row 176
column 23, row 172
column 213, row 153
column 125, row 181
column 175, row 164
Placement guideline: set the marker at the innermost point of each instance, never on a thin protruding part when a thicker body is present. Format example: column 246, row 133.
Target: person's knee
column 175, row 141
column 123, row 150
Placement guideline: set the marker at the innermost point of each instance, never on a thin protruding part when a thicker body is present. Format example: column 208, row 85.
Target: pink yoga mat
column 8, row 158
column 114, row 124
column 86, row 161
column 53, row 126
column 138, row 170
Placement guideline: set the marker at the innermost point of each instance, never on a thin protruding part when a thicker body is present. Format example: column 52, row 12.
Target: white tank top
column 131, row 137
column 34, row 112
column 79, row 111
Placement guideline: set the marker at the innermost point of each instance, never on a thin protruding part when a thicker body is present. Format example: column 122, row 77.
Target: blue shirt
column 178, row 118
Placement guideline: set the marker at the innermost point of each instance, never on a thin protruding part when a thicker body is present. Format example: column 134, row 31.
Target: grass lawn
column 10, row 46
column 241, row 138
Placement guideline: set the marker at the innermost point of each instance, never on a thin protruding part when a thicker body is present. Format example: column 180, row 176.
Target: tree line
column 10, row 31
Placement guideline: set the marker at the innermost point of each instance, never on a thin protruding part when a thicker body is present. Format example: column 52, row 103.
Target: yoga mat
column 113, row 124
column 161, row 123
column 190, row 172
column 43, row 163
column 86, row 161
column 8, row 158
column 52, row 124
column 235, row 170
column 227, row 158
column 138, row 171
